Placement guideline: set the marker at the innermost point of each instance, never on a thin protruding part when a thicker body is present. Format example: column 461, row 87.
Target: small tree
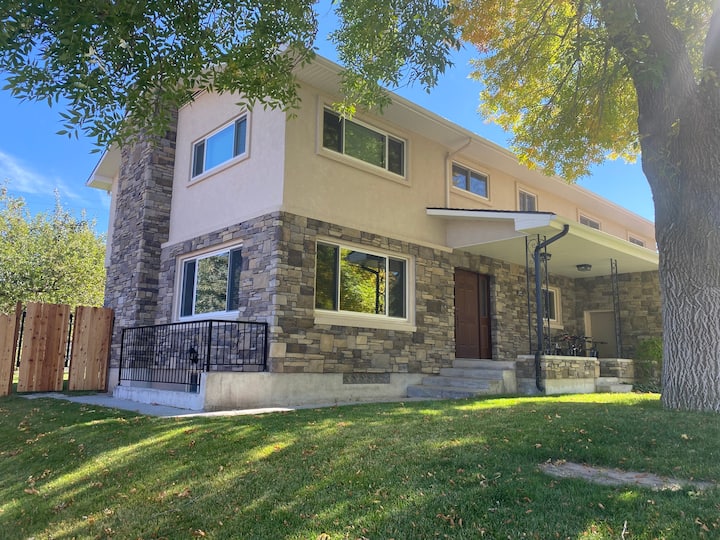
column 50, row 257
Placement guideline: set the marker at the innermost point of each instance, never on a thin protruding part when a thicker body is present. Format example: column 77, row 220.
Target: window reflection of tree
column 362, row 285
column 212, row 281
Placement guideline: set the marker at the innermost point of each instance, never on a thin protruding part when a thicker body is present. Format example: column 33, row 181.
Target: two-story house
column 375, row 251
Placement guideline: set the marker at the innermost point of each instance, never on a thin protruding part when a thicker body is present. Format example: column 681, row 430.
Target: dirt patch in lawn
column 616, row 477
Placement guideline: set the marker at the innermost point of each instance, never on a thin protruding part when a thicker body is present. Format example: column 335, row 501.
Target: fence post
column 9, row 325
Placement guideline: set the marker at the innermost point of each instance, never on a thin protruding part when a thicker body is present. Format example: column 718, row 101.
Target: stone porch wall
column 640, row 314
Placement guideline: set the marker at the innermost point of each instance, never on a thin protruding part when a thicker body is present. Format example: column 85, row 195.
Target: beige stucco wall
column 327, row 186
column 229, row 194
column 288, row 169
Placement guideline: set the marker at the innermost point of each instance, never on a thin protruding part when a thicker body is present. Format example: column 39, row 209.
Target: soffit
column 502, row 235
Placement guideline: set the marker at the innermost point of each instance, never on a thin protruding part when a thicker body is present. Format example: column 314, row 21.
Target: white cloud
column 23, row 179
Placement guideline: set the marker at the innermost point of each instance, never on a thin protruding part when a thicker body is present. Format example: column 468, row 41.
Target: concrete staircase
column 468, row 378
column 612, row 385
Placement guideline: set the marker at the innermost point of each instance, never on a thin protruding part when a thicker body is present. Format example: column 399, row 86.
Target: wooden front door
column 472, row 315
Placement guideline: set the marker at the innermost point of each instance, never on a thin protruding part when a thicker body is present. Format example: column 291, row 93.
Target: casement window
column 527, row 202
column 551, row 304
column 470, row 180
column 350, row 280
column 211, row 283
column 636, row 241
column 225, row 144
column 363, row 142
column 584, row 220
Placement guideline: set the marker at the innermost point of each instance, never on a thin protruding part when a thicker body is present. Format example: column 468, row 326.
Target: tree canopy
column 114, row 61
column 561, row 75
column 50, row 257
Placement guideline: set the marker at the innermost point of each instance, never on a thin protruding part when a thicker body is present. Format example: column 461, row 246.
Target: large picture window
column 350, row 280
column 363, row 142
column 470, row 180
column 210, row 283
column 223, row 145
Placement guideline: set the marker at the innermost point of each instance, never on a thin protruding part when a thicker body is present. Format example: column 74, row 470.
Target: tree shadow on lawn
column 418, row 470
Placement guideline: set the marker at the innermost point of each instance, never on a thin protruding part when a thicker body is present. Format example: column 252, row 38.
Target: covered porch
column 596, row 296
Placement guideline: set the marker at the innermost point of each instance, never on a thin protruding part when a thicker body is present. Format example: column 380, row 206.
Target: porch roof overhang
column 500, row 234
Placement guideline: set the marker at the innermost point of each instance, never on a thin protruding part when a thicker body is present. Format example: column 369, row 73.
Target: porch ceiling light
column 585, row 267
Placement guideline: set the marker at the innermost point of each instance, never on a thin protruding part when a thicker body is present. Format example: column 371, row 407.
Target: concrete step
column 471, row 373
column 483, row 364
column 618, row 388
column 443, row 392
column 464, row 383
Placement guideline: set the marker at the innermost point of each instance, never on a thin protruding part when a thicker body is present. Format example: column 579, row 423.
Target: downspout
column 538, row 302
column 448, row 156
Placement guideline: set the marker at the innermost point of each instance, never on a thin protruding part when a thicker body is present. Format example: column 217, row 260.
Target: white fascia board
column 595, row 236
column 106, row 170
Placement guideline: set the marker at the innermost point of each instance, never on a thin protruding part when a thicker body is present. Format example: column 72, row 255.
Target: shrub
column 648, row 363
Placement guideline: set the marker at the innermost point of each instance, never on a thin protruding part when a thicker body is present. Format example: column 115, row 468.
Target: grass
column 445, row 469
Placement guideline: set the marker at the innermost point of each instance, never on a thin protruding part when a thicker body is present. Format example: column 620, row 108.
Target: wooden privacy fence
column 45, row 336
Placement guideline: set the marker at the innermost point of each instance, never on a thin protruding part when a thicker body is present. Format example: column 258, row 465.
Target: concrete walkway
column 617, row 477
column 149, row 409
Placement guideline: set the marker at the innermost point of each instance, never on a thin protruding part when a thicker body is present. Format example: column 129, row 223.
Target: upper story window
column 349, row 280
column 527, row 202
column 470, row 180
column 363, row 142
column 227, row 143
column 636, row 241
column 211, row 283
column 589, row 222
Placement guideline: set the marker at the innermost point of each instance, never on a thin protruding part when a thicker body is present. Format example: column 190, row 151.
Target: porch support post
column 539, row 304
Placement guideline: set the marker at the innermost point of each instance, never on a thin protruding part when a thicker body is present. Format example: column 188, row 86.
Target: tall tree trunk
column 683, row 168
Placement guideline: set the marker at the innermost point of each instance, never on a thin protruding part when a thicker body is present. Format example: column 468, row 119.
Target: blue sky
column 35, row 161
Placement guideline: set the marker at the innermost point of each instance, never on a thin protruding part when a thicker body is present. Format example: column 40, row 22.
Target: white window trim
column 583, row 215
column 179, row 281
column 371, row 320
column 557, row 322
column 225, row 164
column 520, row 190
column 467, row 192
column 341, row 157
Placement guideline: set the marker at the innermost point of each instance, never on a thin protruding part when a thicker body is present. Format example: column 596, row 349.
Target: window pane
column 199, row 158
column 396, row 156
column 188, row 289
column 240, row 134
column 459, row 177
column 362, row 282
column 326, row 277
column 212, row 284
column 549, row 305
column 364, row 143
column 396, row 289
column 527, row 202
column 233, row 302
column 220, row 147
column 478, row 184
column 332, row 131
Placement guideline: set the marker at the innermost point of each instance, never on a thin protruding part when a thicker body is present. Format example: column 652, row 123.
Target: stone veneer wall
column 640, row 314
column 278, row 287
column 141, row 224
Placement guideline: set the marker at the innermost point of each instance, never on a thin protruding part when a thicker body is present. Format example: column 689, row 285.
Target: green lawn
column 444, row 469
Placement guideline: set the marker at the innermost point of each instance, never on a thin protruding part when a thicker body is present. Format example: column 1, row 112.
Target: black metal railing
column 176, row 355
